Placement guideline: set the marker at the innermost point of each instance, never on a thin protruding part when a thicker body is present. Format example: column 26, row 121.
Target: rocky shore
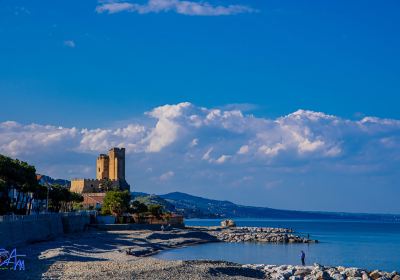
column 103, row 255
column 149, row 268
column 260, row 234
column 319, row 272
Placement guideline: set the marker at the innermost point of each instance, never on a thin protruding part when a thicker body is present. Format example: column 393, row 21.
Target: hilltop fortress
column 110, row 173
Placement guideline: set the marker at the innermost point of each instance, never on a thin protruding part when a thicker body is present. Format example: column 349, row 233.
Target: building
column 110, row 174
column 93, row 200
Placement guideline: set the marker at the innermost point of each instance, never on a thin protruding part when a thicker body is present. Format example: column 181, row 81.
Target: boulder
column 365, row 276
column 277, row 276
column 302, row 272
column 353, row 272
column 322, row 275
column 338, row 276
column 375, row 274
column 228, row 223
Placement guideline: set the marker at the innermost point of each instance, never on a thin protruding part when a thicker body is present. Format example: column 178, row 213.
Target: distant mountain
column 51, row 181
column 197, row 207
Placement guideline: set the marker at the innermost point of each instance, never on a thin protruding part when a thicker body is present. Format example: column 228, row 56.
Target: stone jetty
column 319, row 272
column 260, row 234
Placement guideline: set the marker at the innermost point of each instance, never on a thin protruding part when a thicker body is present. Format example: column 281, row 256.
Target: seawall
column 19, row 230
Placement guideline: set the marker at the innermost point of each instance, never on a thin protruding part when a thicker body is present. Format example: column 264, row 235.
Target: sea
column 363, row 244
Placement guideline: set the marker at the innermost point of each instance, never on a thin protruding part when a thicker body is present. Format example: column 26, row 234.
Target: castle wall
column 91, row 185
column 85, row 185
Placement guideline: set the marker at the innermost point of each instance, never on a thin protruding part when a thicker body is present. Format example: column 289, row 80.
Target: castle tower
column 117, row 164
column 102, row 167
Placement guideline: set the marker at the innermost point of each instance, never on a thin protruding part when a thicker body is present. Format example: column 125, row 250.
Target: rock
column 302, row 272
column 277, row 276
column 375, row 274
column 322, row 275
column 228, row 223
column 318, row 266
column 353, row 272
column 365, row 276
column 396, row 277
column 287, row 274
column 338, row 276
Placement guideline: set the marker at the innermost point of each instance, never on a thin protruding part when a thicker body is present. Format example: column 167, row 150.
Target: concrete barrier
column 75, row 223
column 16, row 231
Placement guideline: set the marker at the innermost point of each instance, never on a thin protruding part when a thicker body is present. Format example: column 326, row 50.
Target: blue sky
column 102, row 65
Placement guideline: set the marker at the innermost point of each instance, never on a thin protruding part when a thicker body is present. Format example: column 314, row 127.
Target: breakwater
column 259, row 234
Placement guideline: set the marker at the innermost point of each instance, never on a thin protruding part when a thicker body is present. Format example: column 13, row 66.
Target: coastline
column 102, row 254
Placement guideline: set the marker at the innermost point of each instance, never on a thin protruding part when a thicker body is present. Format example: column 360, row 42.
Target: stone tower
column 116, row 164
column 102, row 167
column 111, row 167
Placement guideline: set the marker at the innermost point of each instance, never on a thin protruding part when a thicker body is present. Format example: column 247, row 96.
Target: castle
column 110, row 174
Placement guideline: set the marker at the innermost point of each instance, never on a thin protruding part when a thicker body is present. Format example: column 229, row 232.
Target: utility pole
column 47, row 200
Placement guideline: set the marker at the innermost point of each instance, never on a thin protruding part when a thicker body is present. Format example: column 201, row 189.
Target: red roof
column 93, row 198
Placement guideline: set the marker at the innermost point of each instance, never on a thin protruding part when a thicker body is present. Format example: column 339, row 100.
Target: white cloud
column 194, row 142
column 167, row 129
column 299, row 135
column 222, row 159
column 271, row 151
column 114, row 7
column 191, row 8
column 217, row 148
column 167, row 175
column 243, row 150
column 16, row 139
column 207, row 156
column 69, row 43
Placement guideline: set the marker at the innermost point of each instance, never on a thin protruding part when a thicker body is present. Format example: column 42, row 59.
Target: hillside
column 197, row 207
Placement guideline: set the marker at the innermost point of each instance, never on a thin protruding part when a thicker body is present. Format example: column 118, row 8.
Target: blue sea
column 363, row 244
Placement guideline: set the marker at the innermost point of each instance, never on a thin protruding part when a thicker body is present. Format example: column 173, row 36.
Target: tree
column 155, row 210
column 116, row 202
column 61, row 199
column 106, row 185
column 138, row 207
column 18, row 178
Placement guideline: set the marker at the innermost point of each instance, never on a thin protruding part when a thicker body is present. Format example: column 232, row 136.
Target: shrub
column 116, row 203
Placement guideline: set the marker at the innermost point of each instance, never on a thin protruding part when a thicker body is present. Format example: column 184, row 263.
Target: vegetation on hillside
column 149, row 200
column 20, row 190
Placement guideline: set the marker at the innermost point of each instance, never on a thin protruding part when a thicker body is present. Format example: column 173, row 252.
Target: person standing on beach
column 303, row 258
